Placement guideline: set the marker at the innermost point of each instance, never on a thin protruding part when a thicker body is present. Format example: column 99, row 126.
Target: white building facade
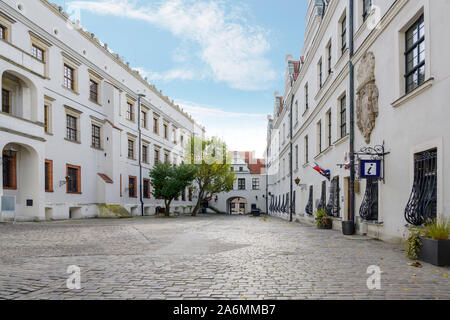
column 249, row 189
column 72, row 138
column 401, row 96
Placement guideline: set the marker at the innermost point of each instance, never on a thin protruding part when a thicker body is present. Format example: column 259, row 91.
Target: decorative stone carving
column 367, row 96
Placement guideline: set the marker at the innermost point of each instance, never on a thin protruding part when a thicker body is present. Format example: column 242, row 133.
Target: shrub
column 437, row 230
column 321, row 218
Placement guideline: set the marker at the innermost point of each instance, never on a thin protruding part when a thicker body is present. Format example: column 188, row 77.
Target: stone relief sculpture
column 367, row 96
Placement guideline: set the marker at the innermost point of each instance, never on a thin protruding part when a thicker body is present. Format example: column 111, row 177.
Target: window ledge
column 99, row 149
column 49, row 133
column 327, row 149
column 427, row 84
column 96, row 102
column 305, row 112
column 71, row 90
column 73, row 141
column 341, row 140
column 306, row 165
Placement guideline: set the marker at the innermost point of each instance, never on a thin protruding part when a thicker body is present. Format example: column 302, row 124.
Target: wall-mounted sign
column 370, row 169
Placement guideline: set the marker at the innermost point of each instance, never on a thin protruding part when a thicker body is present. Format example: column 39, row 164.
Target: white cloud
column 233, row 50
column 174, row 74
column 241, row 131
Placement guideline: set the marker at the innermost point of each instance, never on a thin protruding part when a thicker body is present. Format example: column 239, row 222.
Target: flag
column 323, row 172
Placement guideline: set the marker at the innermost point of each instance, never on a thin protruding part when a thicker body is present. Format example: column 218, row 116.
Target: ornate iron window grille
column 333, row 209
column 287, row 204
column 323, row 196
column 422, row 202
column 369, row 207
column 309, row 205
column 293, row 203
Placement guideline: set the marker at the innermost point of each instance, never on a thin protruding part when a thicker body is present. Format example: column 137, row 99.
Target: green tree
column 170, row 181
column 213, row 174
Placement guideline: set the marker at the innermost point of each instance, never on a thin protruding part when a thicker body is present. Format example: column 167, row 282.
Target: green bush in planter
column 437, row 230
column 322, row 219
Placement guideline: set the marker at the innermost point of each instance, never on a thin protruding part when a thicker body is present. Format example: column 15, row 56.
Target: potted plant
column 323, row 221
column 430, row 243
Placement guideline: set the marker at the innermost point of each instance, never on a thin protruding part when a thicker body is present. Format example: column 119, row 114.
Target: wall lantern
column 297, row 181
column 216, row 198
column 65, row 181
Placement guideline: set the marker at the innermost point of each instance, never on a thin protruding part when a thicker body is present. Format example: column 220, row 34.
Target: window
column 367, row 7
column 296, row 157
column 69, row 77
column 255, row 183
column 291, row 67
column 155, row 124
column 38, row 53
column 190, row 194
column 329, row 58
column 343, row 113
column 369, row 207
column 241, row 169
column 242, row 206
column 9, row 171
column 71, row 128
column 415, row 55
column 343, row 35
column 320, row 73
column 48, row 176
column 166, row 157
column 145, row 154
column 47, row 118
column 174, row 133
column 74, row 179
column 183, row 195
column 319, row 137
column 96, row 136
column 2, row 32
column 182, row 140
column 328, row 116
column 132, row 190
column 422, row 204
column 166, row 132
column 6, row 101
column 146, row 190
column 156, row 155
column 306, row 97
column 93, row 91
column 296, row 111
column 241, row 184
column 306, row 150
column 130, row 149
column 143, row 119
column 130, row 111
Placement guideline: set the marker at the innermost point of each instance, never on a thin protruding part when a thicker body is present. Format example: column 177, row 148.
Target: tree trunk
column 167, row 213
column 197, row 205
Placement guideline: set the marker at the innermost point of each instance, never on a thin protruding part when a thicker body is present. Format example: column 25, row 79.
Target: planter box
column 436, row 252
column 328, row 225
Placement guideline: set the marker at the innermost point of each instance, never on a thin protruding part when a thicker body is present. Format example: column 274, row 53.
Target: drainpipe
column 352, row 114
column 290, row 158
column 267, row 174
column 140, row 153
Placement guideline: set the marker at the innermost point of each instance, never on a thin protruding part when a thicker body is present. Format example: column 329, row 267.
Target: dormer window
column 291, row 68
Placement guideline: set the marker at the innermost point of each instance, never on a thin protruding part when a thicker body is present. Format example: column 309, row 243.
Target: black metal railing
column 369, row 207
column 333, row 208
column 422, row 202
column 309, row 205
column 323, row 199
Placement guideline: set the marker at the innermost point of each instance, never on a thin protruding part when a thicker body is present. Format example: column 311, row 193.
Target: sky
column 220, row 60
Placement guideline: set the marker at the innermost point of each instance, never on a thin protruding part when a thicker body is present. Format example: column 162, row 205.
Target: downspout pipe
column 140, row 154
column 352, row 113
column 291, row 187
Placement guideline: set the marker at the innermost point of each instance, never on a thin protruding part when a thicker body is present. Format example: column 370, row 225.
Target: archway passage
column 237, row 205
column 20, row 179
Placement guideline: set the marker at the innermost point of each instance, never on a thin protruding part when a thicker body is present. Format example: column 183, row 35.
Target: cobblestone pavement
column 207, row 257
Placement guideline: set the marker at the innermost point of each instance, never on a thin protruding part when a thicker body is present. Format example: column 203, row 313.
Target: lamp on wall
column 297, row 181
column 65, row 181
